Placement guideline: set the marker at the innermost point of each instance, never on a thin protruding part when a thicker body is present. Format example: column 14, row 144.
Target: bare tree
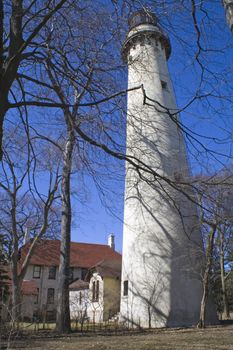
column 108, row 144
column 224, row 249
column 21, row 24
column 216, row 217
column 23, row 207
column 85, row 81
column 4, row 277
column 81, row 80
column 224, row 238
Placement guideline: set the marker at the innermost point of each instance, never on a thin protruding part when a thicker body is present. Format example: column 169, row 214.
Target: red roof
column 81, row 254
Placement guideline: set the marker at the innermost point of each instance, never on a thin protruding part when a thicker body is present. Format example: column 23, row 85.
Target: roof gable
column 106, row 268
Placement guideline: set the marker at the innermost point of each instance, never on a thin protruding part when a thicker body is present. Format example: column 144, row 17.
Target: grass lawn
column 212, row 338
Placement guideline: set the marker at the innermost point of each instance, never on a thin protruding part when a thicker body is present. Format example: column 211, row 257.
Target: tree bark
column 206, row 276
column 16, row 298
column 63, row 308
column 8, row 69
column 16, row 287
column 226, row 310
column 3, row 111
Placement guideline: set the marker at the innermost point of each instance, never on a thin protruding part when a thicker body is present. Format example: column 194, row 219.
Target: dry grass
column 219, row 338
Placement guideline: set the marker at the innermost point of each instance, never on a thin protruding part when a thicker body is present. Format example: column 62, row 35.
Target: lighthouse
column 162, row 244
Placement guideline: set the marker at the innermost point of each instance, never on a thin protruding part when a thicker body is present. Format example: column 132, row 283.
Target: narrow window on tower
column 164, row 85
column 125, row 288
column 177, row 176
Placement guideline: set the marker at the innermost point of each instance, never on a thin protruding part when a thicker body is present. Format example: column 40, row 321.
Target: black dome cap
column 142, row 17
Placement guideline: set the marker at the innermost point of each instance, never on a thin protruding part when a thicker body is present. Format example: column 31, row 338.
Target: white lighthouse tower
column 162, row 245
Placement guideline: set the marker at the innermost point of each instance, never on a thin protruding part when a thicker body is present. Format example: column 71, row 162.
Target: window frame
column 164, row 85
column 52, row 272
column 50, row 297
column 125, row 288
column 83, row 273
column 95, row 290
column 36, row 274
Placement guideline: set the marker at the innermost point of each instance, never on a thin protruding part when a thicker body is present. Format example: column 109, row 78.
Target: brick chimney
column 111, row 241
column 26, row 235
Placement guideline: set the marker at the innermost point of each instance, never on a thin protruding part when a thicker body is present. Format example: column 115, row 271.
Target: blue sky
column 208, row 118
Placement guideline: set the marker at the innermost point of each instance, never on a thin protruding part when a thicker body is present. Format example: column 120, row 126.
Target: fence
column 47, row 328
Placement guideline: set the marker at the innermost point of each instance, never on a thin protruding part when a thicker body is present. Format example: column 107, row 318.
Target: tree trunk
column 201, row 323
column 16, row 285
column 9, row 66
column 3, row 111
column 206, row 277
column 223, row 281
column 63, row 310
column 16, row 301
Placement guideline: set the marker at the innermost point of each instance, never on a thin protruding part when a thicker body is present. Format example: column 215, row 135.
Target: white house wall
column 43, row 284
column 79, row 310
column 107, row 305
column 95, row 310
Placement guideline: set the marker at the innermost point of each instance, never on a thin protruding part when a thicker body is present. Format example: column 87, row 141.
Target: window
column 37, row 297
column 125, row 288
column 177, row 176
column 80, row 298
column 164, row 85
column 83, row 273
column 36, row 271
column 95, row 290
column 52, row 272
column 50, row 296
